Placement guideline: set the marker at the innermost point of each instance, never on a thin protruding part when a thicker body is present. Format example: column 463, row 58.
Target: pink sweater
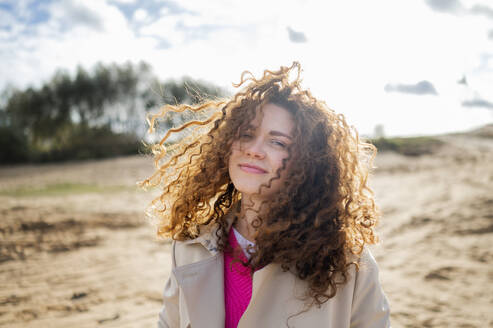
column 237, row 284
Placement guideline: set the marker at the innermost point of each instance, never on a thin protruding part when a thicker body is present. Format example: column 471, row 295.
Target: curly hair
column 324, row 213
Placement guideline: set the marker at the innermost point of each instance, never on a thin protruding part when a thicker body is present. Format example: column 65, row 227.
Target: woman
column 268, row 205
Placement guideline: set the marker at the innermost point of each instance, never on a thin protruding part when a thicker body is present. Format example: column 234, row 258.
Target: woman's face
column 258, row 153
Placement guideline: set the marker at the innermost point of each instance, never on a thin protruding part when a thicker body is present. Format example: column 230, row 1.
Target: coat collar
column 208, row 238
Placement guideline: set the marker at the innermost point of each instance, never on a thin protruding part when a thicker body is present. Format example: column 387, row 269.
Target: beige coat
column 194, row 294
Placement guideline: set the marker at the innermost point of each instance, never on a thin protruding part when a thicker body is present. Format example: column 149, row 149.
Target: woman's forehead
column 272, row 117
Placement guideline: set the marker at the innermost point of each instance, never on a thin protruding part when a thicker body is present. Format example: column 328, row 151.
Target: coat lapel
column 202, row 284
column 202, row 279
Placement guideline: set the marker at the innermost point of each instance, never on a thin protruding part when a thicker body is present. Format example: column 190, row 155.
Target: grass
column 58, row 189
column 412, row 146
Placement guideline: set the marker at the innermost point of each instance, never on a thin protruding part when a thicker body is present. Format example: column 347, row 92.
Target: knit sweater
column 237, row 283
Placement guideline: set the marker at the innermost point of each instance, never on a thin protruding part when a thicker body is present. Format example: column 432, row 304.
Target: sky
column 415, row 67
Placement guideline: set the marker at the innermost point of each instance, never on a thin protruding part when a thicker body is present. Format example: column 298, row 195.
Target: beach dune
column 76, row 249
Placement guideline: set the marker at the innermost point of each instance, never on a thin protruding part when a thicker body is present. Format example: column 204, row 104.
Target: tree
column 108, row 99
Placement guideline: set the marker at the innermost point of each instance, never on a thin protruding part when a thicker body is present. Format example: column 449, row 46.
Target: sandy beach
column 76, row 249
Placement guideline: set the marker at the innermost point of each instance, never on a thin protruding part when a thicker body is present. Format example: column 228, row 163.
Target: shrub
column 13, row 146
column 413, row 146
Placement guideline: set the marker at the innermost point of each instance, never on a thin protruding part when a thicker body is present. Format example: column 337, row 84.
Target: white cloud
column 164, row 27
column 140, row 15
column 125, row 1
column 296, row 36
column 6, row 19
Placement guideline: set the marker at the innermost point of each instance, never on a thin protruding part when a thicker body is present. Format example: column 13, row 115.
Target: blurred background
column 77, row 79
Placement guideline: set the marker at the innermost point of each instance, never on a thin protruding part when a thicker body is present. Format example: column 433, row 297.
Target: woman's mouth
column 252, row 169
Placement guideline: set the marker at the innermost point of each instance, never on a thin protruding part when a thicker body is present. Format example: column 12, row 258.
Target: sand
column 88, row 257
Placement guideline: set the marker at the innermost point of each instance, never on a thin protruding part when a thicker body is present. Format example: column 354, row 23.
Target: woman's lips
column 252, row 169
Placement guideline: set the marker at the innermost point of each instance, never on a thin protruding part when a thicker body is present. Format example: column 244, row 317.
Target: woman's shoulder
column 363, row 268
column 364, row 278
column 370, row 307
column 366, row 260
column 193, row 250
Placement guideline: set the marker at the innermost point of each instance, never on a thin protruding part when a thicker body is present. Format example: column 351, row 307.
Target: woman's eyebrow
column 280, row 134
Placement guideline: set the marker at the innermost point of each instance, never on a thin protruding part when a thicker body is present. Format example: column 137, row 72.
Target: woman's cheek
column 279, row 159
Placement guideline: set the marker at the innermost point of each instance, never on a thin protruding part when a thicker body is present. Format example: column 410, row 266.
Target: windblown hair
column 324, row 213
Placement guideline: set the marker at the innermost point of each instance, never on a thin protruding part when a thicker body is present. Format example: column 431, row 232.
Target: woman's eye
column 279, row 143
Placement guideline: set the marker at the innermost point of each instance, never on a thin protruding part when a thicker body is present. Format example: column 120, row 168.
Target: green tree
column 71, row 112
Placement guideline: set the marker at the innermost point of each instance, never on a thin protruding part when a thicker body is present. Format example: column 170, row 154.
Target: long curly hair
column 323, row 215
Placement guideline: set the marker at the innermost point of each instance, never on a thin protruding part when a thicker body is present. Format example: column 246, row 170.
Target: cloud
column 164, row 22
column 125, row 1
column 445, row 6
column 420, row 88
column 482, row 10
column 295, row 36
column 199, row 31
column 75, row 13
column 182, row 29
column 154, row 9
column 490, row 34
column 140, row 15
column 456, row 7
column 485, row 63
column 6, row 20
column 478, row 102
column 20, row 18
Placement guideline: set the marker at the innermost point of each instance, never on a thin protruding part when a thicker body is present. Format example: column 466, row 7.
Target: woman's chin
column 253, row 193
column 248, row 191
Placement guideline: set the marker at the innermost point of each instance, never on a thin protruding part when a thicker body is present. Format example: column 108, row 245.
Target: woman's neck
column 248, row 214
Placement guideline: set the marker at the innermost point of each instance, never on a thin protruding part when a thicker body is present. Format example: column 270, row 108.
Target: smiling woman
column 270, row 213
column 257, row 155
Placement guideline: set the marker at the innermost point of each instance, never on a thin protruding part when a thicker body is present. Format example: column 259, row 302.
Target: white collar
column 243, row 242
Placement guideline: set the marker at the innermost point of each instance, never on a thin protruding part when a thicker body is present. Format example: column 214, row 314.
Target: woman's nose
column 254, row 149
